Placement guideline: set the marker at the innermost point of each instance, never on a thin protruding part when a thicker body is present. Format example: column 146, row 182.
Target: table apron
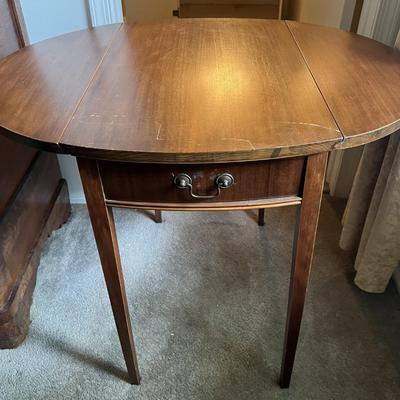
column 257, row 184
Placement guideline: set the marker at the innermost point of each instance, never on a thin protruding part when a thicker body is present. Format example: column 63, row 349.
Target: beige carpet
column 207, row 295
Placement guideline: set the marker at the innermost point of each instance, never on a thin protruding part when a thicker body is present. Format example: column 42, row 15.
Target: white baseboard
column 77, row 199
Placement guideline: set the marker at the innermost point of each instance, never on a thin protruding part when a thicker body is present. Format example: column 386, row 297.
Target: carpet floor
column 207, row 295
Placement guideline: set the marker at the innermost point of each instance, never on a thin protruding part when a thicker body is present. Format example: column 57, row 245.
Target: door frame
column 19, row 22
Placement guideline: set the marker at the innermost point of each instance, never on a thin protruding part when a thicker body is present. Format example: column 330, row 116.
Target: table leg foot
column 104, row 231
column 261, row 217
column 158, row 216
column 306, row 227
column 284, row 384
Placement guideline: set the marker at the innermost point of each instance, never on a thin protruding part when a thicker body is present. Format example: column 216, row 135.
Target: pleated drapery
column 371, row 222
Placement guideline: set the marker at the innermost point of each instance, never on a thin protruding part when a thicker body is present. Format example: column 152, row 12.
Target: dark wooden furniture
column 234, row 9
column 33, row 202
column 356, row 15
column 201, row 115
column 268, row 9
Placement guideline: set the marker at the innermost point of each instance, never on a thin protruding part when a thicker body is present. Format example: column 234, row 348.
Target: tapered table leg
column 261, row 217
column 104, row 231
column 158, row 216
column 307, row 221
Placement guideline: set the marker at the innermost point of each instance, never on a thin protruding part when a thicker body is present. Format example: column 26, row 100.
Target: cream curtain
column 371, row 222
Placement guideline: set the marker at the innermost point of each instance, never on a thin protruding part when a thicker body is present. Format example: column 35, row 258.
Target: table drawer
column 156, row 183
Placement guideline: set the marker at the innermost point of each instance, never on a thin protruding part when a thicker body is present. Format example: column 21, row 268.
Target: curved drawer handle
column 222, row 181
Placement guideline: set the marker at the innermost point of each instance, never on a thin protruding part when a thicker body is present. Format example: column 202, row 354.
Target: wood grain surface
column 359, row 78
column 154, row 183
column 200, row 91
column 105, row 234
column 303, row 249
column 41, row 85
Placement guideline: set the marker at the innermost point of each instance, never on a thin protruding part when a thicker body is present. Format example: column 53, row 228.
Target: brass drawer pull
column 222, row 181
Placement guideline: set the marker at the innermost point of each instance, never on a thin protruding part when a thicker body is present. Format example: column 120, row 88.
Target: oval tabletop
column 201, row 90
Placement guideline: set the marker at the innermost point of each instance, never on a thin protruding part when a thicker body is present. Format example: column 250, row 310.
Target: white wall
column 49, row 18
column 70, row 172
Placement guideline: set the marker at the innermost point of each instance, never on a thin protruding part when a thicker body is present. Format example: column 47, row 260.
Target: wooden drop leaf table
column 203, row 114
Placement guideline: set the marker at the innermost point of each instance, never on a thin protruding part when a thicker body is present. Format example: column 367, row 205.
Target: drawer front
column 154, row 183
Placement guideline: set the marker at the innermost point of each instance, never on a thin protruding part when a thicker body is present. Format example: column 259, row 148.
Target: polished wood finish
column 303, row 249
column 100, row 178
column 359, row 78
column 107, row 244
column 269, row 11
column 40, row 206
column 158, row 216
column 58, row 69
column 223, row 92
column 154, row 183
column 141, row 103
column 204, row 91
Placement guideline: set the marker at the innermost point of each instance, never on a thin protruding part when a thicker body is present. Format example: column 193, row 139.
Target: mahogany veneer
column 362, row 94
column 262, row 100
column 152, row 184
